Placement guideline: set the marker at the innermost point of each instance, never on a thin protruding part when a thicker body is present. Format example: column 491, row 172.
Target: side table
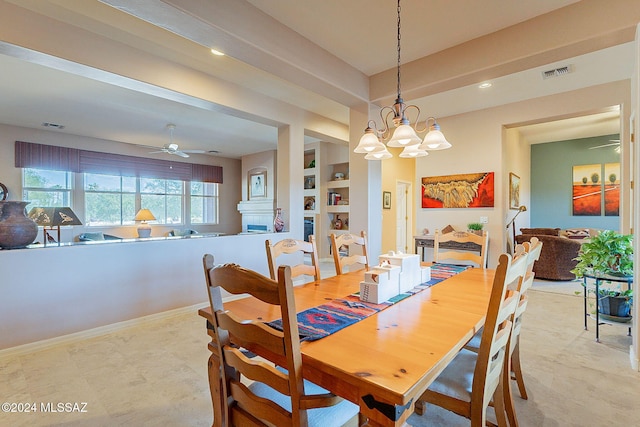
column 597, row 281
column 427, row 241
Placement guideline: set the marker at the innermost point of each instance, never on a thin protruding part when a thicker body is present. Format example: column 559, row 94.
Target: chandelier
column 405, row 134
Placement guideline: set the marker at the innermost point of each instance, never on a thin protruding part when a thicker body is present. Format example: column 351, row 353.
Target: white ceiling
column 360, row 32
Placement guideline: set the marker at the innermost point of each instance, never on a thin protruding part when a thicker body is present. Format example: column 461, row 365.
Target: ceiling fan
column 613, row 143
column 173, row 148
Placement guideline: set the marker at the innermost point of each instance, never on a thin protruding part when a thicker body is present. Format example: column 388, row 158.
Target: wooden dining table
column 384, row 362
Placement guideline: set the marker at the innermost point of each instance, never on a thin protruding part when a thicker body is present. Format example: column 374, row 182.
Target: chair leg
column 498, row 404
column 215, row 388
column 420, row 407
column 508, row 398
column 516, row 368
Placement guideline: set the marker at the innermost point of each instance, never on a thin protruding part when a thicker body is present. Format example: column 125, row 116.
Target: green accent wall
column 551, row 181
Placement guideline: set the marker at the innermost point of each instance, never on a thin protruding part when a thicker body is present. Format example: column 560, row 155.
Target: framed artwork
column 611, row 189
column 386, row 199
column 258, row 185
column 587, row 191
column 514, row 191
column 467, row 190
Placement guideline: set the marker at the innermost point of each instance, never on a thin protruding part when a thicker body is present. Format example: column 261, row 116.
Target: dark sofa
column 557, row 257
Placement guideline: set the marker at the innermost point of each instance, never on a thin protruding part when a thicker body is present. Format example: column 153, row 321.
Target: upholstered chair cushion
column 336, row 415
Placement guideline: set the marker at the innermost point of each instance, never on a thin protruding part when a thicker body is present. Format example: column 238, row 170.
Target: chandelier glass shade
column 405, row 134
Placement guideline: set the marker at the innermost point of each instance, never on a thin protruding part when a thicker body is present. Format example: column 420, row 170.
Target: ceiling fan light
column 403, row 136
column 172, row 147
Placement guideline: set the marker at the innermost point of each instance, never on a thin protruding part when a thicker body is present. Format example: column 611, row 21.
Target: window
column 46, row 187
column 113, row 200
column 109, row 199
column 204, row 203
column 163, row 197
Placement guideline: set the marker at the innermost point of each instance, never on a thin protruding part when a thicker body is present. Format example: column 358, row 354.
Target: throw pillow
column 93, row 236
column 577, row 233
column 541, row 231
column 448, row 229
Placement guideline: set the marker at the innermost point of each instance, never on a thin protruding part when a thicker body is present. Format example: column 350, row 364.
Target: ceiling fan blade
column 180, row 153
column 194, row 151
column 604, row 145
column 155, row 152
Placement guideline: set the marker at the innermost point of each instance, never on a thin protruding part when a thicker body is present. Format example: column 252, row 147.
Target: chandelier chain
column 398, row 49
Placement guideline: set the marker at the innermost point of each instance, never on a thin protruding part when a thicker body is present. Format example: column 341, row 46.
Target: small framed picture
column 257, row 185
column 386, row 199
column 514, row 191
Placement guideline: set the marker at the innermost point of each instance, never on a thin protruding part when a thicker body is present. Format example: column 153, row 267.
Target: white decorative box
column 380, row 284
column 411, row 275
column 425, row 274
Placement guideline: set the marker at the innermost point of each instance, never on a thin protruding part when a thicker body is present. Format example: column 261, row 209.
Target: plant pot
column 478, row 232
column 614, row 306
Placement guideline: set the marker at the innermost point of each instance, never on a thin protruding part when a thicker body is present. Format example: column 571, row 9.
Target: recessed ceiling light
column 485, row 85
column 217, row 52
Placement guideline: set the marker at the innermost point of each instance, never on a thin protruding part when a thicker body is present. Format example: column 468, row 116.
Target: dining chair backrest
column 244, row 405
column 513, row 365
column 460, row 238
column 473, row 379
column 497, row 328
column 355, row 252
column 292, row 246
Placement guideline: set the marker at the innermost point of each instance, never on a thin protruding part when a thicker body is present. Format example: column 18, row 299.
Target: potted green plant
column 475, row 227
column 608, row 254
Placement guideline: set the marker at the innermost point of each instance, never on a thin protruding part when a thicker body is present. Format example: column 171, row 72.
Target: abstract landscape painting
column 470, row 190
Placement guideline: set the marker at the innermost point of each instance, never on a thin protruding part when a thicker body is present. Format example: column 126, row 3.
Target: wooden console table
column 426, row 241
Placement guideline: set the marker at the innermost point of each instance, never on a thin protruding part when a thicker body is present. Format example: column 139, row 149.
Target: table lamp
column 144, row 229
column 53, row 217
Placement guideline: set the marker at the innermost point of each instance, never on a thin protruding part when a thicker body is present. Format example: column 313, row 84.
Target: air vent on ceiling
column 213, row 151
column 556, row 72
column 52, row 125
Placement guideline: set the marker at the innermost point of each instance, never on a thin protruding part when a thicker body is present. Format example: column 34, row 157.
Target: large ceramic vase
column 278, row 222
column 17, row 230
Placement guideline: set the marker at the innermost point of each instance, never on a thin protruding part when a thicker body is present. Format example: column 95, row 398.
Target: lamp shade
column 404, row 135
column 144, row 215
column 54, row 216
column 412, row 151
column 369, row 143
column 435, row 140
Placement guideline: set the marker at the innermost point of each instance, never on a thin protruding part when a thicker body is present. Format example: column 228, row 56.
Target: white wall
column 55, row 291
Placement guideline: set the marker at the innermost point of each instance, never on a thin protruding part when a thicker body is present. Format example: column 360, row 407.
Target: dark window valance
column 40, row 156
column 29, row 155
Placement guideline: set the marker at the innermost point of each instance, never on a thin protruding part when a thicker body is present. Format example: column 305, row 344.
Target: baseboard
column 103, row 330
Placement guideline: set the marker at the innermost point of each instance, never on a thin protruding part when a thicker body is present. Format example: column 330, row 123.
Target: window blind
column 41, row 156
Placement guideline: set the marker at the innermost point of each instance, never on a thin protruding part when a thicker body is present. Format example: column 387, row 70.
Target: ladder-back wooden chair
column 513, row 368
column 472, row 380
column 352, row 242
column 460, row 238
column 292, row 246
column 276, row 396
